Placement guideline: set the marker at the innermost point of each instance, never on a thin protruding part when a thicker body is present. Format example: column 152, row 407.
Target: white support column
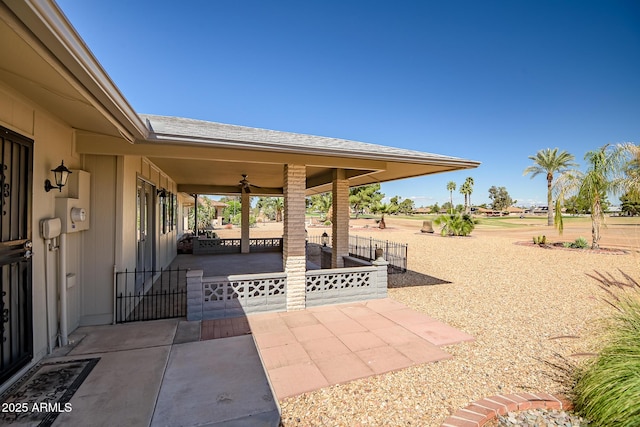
column 293, row 251
column 340, row 219
column 244, row 222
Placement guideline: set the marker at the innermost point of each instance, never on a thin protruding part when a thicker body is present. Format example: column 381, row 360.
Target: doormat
column 44, row 392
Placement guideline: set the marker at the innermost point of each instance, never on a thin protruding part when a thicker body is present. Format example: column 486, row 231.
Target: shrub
column 455, row 224
column 237, row 220
column 607, row 388
column 540, row 240
column 580, row 243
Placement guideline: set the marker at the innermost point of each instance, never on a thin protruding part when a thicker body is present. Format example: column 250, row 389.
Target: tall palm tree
column 464, row 190
column 451, row 186
column 549, row 162
column 467, row 189
column 607, row 172
column 604, row 175
column 632, row 169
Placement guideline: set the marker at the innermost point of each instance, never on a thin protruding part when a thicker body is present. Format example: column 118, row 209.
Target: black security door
column 16, row 325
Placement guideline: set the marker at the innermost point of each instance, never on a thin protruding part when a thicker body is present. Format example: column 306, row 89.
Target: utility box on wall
column 73, row 211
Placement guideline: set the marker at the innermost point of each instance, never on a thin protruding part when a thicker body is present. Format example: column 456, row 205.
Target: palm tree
column 549, row 162
column 455, row 224
column 384, row 208
column 464, row 190
column 632, row 168
column 605, row 174
column 451, row 186
column 322, row 203
column 467, row 189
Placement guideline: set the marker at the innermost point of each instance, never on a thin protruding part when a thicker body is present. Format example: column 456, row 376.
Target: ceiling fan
column 245, row 185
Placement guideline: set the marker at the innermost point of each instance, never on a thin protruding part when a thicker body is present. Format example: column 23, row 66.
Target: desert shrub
column 237, row 220
column 607, row 387
column 580, row 243
column 540, row 240
column 455, row 224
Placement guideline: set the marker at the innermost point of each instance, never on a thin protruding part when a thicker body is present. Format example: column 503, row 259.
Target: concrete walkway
column 159, row 373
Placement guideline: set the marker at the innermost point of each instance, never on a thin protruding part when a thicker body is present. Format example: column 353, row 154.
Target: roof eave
column 297, row 149
column 66, row 50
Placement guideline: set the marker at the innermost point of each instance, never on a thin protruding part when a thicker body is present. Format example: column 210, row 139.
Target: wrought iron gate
column 16, row 325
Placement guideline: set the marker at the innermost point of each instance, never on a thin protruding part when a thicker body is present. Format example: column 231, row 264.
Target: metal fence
column 162, row 295
column 364, row 248
column 203, row 245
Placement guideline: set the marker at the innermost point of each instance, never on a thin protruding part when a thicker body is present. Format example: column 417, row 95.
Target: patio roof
column 261, row 153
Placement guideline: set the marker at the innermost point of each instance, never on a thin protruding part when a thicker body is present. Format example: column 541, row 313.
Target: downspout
column 47, row 243
column 115, row 294
column 62, row 279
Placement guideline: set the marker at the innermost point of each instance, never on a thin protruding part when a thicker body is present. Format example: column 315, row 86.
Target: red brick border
column 482, row 411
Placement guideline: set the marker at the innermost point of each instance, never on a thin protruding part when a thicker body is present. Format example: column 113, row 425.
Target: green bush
column 237, row 219
column 580, row 243
column 607, row 390
column 455, row 224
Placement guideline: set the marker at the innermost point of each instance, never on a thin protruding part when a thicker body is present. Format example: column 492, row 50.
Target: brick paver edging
column 482, row 411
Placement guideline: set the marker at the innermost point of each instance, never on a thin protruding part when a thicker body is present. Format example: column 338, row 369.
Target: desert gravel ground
column 523, row 305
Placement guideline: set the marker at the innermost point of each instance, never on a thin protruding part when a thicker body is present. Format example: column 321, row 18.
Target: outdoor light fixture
column 325, row 239
column 162, row 192
column 60, row 174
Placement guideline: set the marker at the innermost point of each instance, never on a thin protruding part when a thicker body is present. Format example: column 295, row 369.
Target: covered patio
column 214, row 158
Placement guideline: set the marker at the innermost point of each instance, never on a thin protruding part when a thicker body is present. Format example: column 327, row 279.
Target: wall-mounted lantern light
column 325, row 239
column 161, row 192
column 60, row 174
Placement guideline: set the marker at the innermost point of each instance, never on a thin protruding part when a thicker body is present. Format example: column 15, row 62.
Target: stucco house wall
column 111, row 238
column 53, row 140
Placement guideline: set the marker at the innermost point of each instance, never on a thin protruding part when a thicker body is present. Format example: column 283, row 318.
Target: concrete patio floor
column 322, row 346
column 159, row 373
column 174, row 373
column 229, row 264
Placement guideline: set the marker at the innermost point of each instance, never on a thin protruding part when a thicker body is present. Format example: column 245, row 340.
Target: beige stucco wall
column 53, row 142
column 111, row 238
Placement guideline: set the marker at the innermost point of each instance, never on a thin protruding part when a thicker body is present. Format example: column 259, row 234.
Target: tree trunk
column 549, row 200
column 596, row 215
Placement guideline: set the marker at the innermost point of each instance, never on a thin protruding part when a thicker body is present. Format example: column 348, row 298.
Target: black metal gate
column 165, row 296
column 16, row 324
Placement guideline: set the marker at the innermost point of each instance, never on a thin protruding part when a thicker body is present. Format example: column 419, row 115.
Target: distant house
column 540, row 210
column 513, row 210
column 487, row 212
column 422, row 211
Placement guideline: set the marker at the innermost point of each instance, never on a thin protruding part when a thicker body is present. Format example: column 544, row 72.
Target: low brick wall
column 483, row 411
column 350, row 261
column 232, row 296
column 237, row 295
column 340, row 285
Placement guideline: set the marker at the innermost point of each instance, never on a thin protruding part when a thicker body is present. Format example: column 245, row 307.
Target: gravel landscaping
column 524, row 305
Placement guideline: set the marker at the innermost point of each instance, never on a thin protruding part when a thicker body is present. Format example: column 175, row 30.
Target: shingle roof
column 176, row 129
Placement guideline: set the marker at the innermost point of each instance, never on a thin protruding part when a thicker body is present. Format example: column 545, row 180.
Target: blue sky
column 493, row 81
